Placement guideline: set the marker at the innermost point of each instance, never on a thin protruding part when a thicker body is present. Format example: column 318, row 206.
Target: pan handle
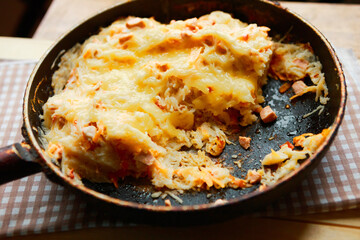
column 16, row 162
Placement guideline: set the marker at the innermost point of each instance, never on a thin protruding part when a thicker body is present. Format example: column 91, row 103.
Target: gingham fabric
column 36, row 205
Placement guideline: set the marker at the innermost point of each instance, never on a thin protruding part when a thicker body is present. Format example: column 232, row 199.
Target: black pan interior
column 290, row 121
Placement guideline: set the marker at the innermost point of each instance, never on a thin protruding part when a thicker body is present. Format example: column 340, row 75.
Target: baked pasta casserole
column 147, row 99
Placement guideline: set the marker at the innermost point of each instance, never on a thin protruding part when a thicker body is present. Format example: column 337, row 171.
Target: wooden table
column 338, row 22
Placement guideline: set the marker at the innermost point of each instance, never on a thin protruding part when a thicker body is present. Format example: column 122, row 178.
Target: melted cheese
column 287, row 159
column 294, row 62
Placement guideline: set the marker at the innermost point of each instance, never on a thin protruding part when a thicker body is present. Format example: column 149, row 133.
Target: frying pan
column 133, row 197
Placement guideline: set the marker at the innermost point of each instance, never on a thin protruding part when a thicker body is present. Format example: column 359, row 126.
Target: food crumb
column 179, row 200
column 262, row 187
column 234, row 156
column 163, row 196
column 271, row 138
column 208, row 195
column 244, row 142
column 238, row 163
column 253, row 176
column 156, row 194
column 167, row 203
column 219, row 201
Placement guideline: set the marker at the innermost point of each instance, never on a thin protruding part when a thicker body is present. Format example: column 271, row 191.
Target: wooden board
column 242, row 228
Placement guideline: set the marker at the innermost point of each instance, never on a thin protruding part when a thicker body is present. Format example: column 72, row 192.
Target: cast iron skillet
column 133, row 197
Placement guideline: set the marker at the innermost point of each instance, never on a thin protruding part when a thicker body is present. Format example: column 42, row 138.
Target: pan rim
column 247, row 197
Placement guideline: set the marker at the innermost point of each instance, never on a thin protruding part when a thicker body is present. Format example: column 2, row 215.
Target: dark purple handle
column 16, row 162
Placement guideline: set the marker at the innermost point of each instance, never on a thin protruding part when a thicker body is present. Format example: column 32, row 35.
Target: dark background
column 20, row 18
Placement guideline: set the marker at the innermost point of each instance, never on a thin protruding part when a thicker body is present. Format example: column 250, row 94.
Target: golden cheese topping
column 293, row 62
column 287, row 158
column 135, row 98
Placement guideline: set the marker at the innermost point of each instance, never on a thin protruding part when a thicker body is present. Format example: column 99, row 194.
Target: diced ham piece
column 267, row 115
column 244, row 142
column 135, row 22
column 301, row 63
column 299, row 87
column 125, row 37
column 253, row 176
